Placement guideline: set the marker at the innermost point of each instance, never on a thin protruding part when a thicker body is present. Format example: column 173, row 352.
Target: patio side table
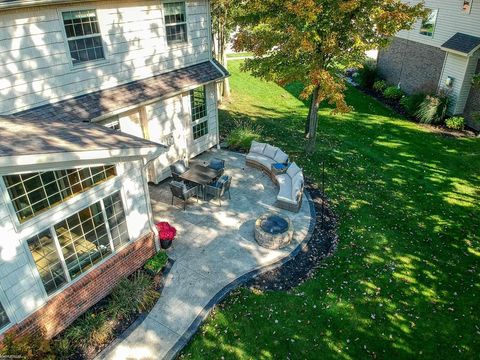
column 279, row 168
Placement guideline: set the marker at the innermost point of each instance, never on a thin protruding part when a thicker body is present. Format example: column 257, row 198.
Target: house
column 441, row 52
column 97, row 98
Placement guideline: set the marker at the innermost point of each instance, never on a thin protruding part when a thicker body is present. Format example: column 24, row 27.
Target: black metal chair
column 219, row 188
column 182, row 192
column 217, row 165
column 178, row 169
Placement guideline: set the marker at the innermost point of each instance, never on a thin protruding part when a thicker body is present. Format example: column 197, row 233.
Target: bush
column 433, row 109
column 411, row 103
column 367, row 75
column 380, row 85
column 90, row 329
column 241, row 137
column 156, row 263
column 132, row 296
column 393, row 93
column 30, row 347
column 455, row 123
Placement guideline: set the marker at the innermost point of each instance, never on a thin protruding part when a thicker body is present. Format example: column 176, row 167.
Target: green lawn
column 404, row 281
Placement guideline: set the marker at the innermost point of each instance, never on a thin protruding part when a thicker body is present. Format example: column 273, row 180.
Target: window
column 47, row 260
column 83, row 36
column 198, row 102
column 175, row 22
column 73, row 246
column 428, row 24
column 467, row 6
column 200, row 130
column 4, row 321
column 34, row 193
column 112, row 123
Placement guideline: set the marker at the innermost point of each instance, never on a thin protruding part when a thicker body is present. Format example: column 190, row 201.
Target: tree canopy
column 311, row 40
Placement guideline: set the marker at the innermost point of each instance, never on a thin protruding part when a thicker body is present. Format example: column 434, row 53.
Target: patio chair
column 182, row 192
column 218, row 165
column 219, row 188
column 178, row 169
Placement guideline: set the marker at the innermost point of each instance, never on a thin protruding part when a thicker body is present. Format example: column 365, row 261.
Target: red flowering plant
column 166, row 231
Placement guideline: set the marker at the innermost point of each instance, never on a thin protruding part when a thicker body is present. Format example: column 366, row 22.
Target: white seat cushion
column 293, row 170
column 285, row 191
column 261, row 159
column 257, row 147
column 297, row 185
column 270, row 151
column 281, row 157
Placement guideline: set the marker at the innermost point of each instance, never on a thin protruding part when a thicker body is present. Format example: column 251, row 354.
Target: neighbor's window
column 4, row 321
column 34, row 193
column 175, row 22
column 467, row 6
column 429, row 23
column 83, row 36
column 83, row 239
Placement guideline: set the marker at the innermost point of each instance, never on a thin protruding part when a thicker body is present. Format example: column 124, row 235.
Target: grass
column 239, row 55
column 404, row 281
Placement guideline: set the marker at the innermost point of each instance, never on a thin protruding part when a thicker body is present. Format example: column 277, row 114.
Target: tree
column 311, row 40
column 224, row 14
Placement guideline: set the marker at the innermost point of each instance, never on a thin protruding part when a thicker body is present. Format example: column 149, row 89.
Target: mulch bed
column 322, row 243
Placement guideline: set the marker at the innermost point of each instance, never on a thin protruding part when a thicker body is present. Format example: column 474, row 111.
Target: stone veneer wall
column 422, row 65
column 473, row 105
column 68, row 305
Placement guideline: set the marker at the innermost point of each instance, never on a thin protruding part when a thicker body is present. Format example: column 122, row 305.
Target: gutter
column 17, row 4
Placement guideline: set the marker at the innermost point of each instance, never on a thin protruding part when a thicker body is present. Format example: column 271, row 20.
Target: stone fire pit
column 273, row 230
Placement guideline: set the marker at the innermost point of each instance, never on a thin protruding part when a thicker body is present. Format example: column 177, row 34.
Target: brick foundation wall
column 65, row 307
column 417, row 67
column 473, row 104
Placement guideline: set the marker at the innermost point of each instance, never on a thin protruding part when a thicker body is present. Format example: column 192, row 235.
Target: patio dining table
column 201, row 175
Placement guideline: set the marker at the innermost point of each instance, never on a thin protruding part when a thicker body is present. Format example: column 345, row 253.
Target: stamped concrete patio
column 214, row 252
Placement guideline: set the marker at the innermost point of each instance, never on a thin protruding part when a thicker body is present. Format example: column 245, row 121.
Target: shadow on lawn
column 404, row 279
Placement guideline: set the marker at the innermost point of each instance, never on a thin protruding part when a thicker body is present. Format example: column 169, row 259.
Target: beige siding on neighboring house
column 450, row 20
column 19, row 278
column 35, row 65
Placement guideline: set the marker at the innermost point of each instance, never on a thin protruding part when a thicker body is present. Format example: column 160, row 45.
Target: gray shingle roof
column 462, row 43
column 29, row 137
column 96, row 104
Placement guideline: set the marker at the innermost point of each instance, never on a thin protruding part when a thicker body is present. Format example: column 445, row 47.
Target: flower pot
column 165, row 244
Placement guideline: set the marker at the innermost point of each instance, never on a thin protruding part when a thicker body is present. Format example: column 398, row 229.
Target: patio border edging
column 219, row 296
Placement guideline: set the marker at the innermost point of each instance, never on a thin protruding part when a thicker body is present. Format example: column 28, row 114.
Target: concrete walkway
column 214, row 252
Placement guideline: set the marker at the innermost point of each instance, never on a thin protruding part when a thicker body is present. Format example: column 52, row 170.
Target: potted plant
column 166, row 234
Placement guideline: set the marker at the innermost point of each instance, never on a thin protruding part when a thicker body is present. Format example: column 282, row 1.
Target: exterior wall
column 64, row 308
column 417, row 67
column 450, row 20
column 472, row 106
column 172, row 117
column 36, row 69
column 23, row 292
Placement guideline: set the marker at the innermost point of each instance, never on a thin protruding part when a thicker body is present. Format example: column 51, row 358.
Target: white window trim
column 177, row 44
column 87, row 64
column 70, row 282
column 39, row 221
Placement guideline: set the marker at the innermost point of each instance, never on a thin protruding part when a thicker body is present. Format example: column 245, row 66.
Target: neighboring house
column 97, row 98
column 442, row 51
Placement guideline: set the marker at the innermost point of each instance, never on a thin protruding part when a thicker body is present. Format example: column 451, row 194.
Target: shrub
column 367, row 75
column 241, row 137
column 433, row 109
column 380, row 85
column 411, row 103
column 156, row 263
column 132, row 296
column 90, row 329
column 455, row 123
column 30, row 347
column 393, row 93
column 476, row 81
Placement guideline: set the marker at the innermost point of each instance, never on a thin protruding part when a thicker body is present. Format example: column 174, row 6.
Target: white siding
column 172, row 117
column 467, row 84
column 455, row 66
column 450, row 20
column 19, row 278
column 35, row 66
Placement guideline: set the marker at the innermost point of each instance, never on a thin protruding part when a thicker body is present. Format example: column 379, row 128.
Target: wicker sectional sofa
column 263, row 156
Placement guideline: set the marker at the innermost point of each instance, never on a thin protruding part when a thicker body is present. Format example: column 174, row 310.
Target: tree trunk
column 312, row 122
column 307, row 120
column 226, row 81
